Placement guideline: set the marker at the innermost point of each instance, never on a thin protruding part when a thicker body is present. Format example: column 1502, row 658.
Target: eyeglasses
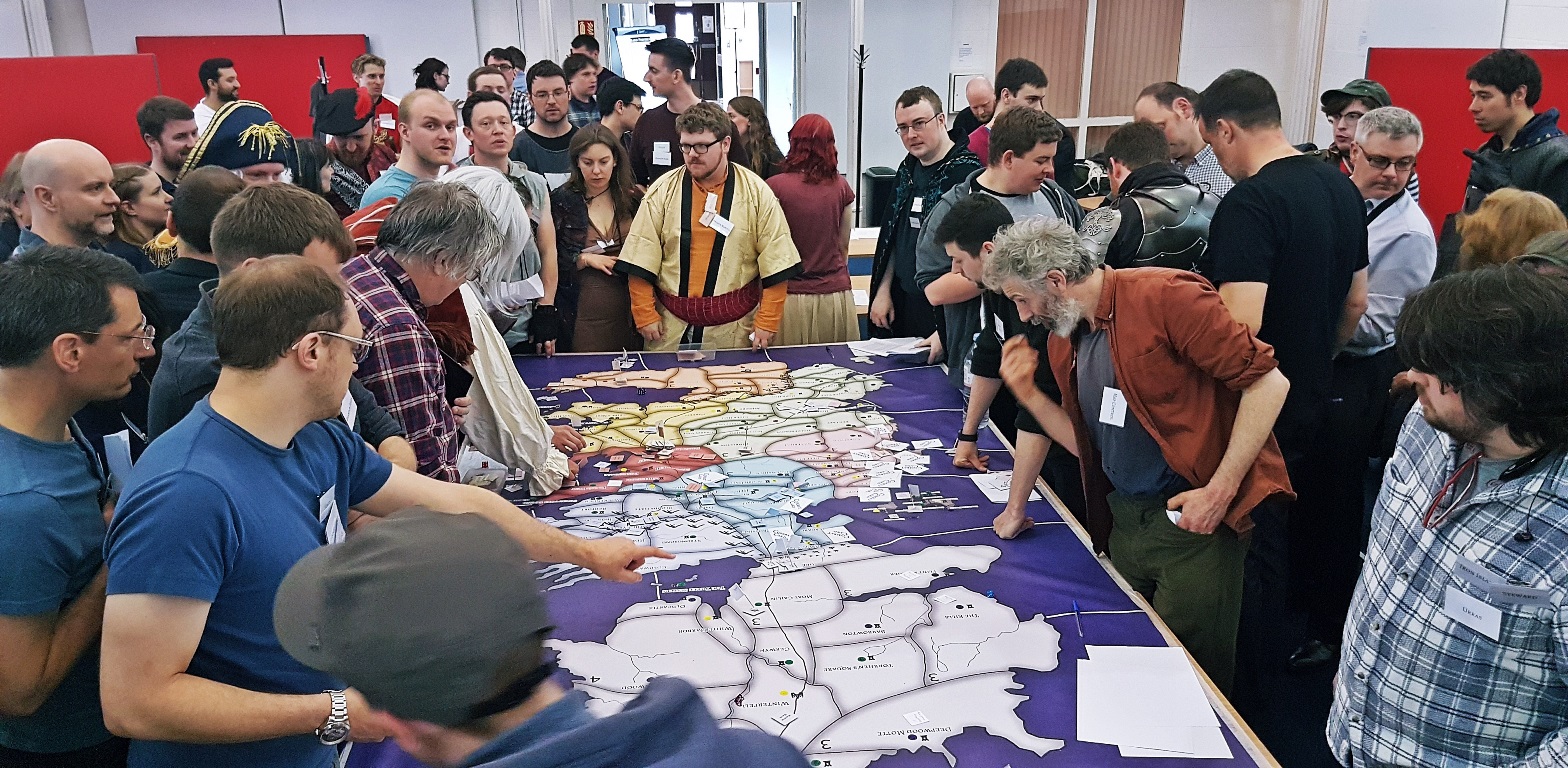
column 504, row 67
column 915, row 127
column 1353, row 117
column 1382, row 163
column 698, row 149
column 361, row 346
column 1453, row 493
column 145, row 332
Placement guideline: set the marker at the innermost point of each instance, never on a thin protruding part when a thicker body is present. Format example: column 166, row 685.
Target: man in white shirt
column 221, row 84
column 1170, row 106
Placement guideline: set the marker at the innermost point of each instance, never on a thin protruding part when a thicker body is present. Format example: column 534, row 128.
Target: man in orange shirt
column 709, row 254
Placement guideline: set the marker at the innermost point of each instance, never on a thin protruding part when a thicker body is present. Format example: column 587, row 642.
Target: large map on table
column 836, row 581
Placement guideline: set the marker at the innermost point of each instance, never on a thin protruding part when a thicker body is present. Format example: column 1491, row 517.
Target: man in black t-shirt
column 1288, row 250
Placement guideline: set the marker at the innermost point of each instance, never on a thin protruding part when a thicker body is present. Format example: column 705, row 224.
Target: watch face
column 333, row 733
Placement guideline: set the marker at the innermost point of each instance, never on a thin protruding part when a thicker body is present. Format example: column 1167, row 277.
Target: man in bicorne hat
column 344, row 117
column 244, row 138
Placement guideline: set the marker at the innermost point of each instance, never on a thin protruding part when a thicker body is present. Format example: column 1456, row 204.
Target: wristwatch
column 968, row 437
column 335, row 730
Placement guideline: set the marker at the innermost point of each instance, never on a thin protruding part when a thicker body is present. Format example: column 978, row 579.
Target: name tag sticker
column 712, row 203
column 388, row 122
column 1113, row 407
column 918, row 205
column 661, row 153
column 1473, row 613
column 1474, row 573
column 327, row 513
column 721, row 225
column 350, row 410
column 1508, row 593
column 914, row 222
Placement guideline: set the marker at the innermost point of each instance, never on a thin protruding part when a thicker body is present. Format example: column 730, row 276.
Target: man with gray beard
column 1170, row 403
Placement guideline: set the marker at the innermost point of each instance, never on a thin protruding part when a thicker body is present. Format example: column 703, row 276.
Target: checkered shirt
column 522, row 109
column 1205, row 172
column 1416, row 688
column 403, row 368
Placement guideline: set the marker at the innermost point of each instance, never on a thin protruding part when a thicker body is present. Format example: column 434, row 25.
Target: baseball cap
column 430, row 616
column 1370, row 91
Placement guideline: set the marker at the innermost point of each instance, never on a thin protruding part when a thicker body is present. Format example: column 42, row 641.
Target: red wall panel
column 276, row 70
column 47, row 101
column 1431, row 83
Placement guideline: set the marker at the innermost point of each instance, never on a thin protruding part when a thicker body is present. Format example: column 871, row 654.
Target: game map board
column 836, row 580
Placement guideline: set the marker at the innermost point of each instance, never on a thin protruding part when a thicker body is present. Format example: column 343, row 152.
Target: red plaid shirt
column 403, row 368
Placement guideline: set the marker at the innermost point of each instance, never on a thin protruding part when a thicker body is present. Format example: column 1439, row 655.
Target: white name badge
column 350, row 410
column 1473, row 613
column 661, row 153
column 918, row 205
column 721, row 225
column 712, row 203
column 388, row 122
column 914, row 222
column 1113, row 407
column 327, row 513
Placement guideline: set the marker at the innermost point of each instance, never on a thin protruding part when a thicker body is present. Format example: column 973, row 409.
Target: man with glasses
column 253, row 225
column 933, row 166
column 1402, row 255
column 543, row 144
column 620, row 107
column 1344, row 107
column 215, row 514
column 653, row 151
column 1454, row 644
column 709, row 256
column 71, row 333
column 511, row 61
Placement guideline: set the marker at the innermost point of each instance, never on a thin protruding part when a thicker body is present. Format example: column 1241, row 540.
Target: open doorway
column 742, row 49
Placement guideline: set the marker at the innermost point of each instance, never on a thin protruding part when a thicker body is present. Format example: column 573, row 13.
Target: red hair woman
column 816, row 202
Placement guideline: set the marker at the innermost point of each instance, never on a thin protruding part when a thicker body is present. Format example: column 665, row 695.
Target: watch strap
column 968, row 437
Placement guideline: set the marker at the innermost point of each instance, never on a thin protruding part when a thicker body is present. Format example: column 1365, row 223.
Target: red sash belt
column 709, row 311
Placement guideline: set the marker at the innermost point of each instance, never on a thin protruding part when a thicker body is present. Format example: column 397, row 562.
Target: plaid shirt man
column 403, row 368
column 522, row 109
column 1205, row 171
column 1416, row 687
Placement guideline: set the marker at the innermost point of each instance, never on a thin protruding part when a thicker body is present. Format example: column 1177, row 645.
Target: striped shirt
column 1205, row 171
column 403, row 368
column 1416, row 687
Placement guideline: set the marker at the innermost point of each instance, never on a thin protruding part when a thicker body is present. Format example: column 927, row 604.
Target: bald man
column 427, row 126
column 66, row 185
column 981, row 96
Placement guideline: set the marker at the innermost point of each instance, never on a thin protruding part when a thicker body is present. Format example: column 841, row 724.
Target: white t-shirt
column 204, row 115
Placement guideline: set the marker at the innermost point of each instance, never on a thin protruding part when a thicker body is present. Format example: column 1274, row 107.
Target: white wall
column 13, row 30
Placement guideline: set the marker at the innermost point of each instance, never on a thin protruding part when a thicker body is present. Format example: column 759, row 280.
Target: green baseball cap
column 1370, row 91
column 428, row 615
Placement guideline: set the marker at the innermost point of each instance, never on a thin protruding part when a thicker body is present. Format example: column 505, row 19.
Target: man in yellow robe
column 709, row 255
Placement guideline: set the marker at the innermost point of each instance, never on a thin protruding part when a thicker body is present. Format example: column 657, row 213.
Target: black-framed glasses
column 698, row 149
column 916, row 126
column 1353, row 117
column 146, row 332
column 361, row 346
column 1382, row 163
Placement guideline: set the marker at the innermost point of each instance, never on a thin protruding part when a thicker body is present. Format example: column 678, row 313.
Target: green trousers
column 1193, row 580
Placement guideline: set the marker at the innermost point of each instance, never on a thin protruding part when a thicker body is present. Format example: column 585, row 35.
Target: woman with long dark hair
column 431, row 73
column 593, row 214
column 756, row 135
column 816, row 202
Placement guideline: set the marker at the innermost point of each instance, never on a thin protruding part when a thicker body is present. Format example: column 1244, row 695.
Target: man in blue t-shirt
column 223, row 504
column 71, row 333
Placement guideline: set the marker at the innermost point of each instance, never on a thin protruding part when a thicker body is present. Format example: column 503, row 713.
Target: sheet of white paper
column 926, row 445
column 874, row 494
column 1207, row 743
column 887, row 480
column 117, row 454
column 707, row 477
column 1123, row 696
column 892, row 445
column 838, row 535
column 885, row 347
column 996, row 486
column 862, row 298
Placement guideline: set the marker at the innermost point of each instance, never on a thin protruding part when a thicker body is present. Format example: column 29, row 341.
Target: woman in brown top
column 593, row 213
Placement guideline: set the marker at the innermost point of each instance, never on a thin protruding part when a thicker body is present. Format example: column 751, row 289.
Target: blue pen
column 1078, row 617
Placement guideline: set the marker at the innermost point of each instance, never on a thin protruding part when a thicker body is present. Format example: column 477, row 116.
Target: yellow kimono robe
column 676, row 261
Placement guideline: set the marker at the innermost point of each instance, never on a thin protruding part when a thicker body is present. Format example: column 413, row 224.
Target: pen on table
column 1078, row 617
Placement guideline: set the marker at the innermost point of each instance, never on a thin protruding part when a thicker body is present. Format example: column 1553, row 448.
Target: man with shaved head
column 427, row 124
column 66, row 185
column 981, row 96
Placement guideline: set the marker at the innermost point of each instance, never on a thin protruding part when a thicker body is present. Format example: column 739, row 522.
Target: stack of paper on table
column 1148, row 702
column 885, row 347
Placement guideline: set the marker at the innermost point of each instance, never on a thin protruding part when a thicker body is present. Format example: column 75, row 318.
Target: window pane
column 1050, row 33
column 1136, row 43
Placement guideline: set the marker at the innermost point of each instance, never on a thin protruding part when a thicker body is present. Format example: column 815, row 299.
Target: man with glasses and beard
column 709, row 255
column 71, row 333
column 542, row 145
column 1454, row 642
column 1169, row 402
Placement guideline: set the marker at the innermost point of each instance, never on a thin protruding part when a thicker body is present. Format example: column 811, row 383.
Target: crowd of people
column 1210, row 367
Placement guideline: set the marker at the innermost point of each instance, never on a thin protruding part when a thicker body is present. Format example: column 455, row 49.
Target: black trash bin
column 878, row 188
